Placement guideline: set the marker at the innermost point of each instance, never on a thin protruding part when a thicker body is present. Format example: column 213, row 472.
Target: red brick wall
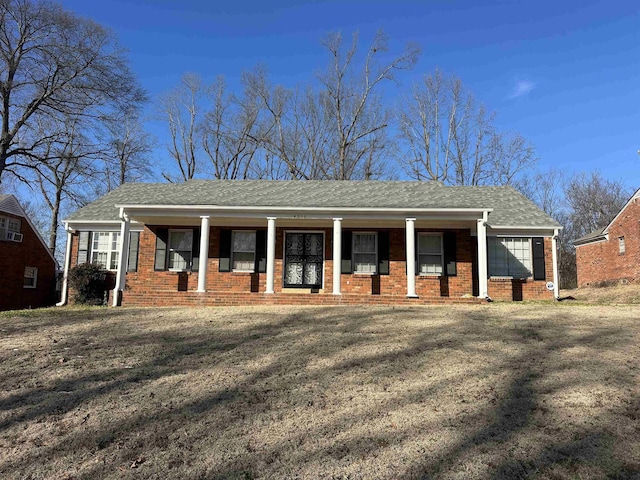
column 14, row 257
column 529, row 289
column 147, row 287
column 602, row 262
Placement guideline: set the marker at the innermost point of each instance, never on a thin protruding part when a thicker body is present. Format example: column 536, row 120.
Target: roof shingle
column 510, row 208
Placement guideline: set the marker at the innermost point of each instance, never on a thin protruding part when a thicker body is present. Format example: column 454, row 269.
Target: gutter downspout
column 554, row 256
column 67, row 264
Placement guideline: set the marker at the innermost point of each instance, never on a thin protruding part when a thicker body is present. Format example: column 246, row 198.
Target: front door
column 303, row 256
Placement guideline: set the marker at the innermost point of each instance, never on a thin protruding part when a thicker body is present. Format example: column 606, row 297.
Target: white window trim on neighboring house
column 435, row 271
column 622, row 247
column 493, row 268
column 9, row 224
column 372, row 268
column 111, row 251
column 171, row 252
column 30, row 273
column 234, row 252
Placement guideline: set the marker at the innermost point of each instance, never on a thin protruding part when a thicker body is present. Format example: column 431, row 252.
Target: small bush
column 89, row 283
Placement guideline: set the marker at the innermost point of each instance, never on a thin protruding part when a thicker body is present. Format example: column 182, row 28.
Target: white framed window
column 8, row 224
column 30, row 277
column 430, row 254
column 105, row 249
column 365, row 252
column 509, row 257
column 243, row 250
column 180, row 249
column 622, row 248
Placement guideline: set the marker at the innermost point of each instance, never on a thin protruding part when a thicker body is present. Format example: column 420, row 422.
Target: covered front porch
column 365, row 256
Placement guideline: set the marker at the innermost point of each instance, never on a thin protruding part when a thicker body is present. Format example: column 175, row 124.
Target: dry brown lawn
column 616, row 294
column 492, row 391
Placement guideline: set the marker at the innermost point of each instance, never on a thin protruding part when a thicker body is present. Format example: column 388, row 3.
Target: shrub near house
column 27, row 266
column 323, row 242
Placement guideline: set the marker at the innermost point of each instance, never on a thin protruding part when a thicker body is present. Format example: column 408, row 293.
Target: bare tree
column 181, row 107
column 350, row 97
column 545, row 189
column 127, row 146
column 279, row 131
column 336, row 131
column 62, row 178
column 53, row 64
column 446, row 136
column 229, row 131
column 593, row 201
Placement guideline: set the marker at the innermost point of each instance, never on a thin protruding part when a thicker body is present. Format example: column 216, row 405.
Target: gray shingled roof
column 510, row 208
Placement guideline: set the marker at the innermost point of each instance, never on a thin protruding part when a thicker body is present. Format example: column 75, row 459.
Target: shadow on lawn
column 264, row 391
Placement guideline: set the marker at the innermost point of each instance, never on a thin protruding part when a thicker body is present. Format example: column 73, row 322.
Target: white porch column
column 554, row 256
column 271, row 253
column 67, row 264
column 410, row 232
column 337, row 255
column 481, row 231
column 204, row 254
column 123, row 254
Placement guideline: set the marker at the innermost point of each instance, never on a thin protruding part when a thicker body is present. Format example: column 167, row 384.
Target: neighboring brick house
column 612, row 253
column 316, row 242
column 28, row 268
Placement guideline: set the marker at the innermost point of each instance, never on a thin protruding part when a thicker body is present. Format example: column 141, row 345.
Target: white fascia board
column 214, row 210
column 521, row 227
column 521, row 231
column 101, row 225
column 309, row 213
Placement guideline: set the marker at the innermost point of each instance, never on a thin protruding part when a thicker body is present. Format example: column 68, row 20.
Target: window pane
column 100, row 258
column 115, row 241
column 181, row 240
column 30, row 276
column 509, row 257
column 14, row 225
column 244, row 241
column 114, row 261
column 364, row 243
column 429, row 244
column 365, row 262
column 430, row 264
column 179, row 260
column 243, row 261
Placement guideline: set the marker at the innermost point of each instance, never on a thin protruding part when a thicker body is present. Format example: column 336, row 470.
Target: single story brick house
column 28, row 267
column 612, row 253
column 221, row 242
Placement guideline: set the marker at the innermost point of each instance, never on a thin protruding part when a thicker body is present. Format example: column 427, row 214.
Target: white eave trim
column 163, row 209
column 521, row 227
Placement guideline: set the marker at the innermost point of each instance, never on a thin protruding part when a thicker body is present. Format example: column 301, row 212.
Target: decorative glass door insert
column 303, row 255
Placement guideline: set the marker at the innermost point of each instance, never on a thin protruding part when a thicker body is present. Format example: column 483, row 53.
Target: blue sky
column 565, row 74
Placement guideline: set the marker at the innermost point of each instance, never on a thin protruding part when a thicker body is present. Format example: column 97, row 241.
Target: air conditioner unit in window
column 14, row 236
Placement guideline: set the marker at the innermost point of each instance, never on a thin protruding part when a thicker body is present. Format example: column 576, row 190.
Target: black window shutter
column 261, row 251
column 83, row 247
column 162, row 235
column 225, row 251
column 449, row 246
column 346, row 266
column 134, row 246
column 195, row 250
column 538, row 258
column 383, row 253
